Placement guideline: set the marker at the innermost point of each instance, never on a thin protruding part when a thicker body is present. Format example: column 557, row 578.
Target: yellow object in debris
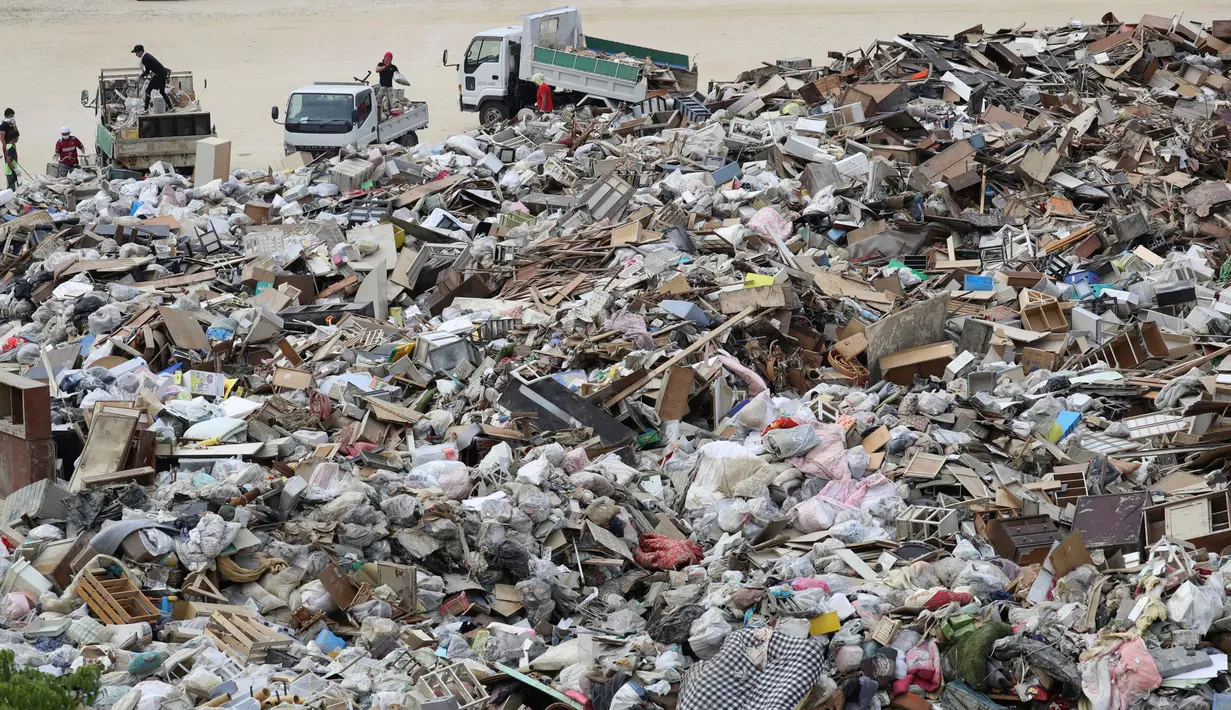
column 755, row 280
column 826, row 623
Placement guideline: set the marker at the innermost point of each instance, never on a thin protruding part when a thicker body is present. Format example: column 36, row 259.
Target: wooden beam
column 679, row 357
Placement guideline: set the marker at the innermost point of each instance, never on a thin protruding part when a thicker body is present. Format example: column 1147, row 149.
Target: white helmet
column 64, row 130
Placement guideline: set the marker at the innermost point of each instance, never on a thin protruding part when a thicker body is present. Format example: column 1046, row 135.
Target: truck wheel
column 410, row 140
column 493, row 112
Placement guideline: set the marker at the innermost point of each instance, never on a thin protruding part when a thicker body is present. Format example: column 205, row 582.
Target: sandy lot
column 254, row 52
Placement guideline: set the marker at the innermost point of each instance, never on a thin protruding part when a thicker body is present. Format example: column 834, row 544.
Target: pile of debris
column 897, row 381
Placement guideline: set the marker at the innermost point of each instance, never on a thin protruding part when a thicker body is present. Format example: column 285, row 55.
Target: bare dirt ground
column 254, row 52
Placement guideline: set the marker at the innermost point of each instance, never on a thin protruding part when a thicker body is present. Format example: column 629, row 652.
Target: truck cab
column 488, row 75
column 326, row 116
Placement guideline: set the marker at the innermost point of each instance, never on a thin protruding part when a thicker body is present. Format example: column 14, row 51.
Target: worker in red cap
column 386, row 69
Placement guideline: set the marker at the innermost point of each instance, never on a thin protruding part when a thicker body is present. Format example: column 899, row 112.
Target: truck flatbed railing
column 589, row 65
column 675, row 60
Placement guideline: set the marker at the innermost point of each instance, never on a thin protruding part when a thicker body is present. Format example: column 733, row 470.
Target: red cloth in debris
column 945, row 597
column 661, row 552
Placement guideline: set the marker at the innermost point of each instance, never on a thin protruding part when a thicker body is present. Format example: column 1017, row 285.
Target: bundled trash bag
column 1116, row 672
column 657, row 551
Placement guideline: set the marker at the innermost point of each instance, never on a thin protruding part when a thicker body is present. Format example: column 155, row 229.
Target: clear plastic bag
column 708, row 632
column 732, row 514
column 785, row 443
column 984, row 578
column 1196, row 606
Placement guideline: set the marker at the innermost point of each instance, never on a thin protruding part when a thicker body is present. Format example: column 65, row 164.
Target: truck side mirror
column 85, row 97
column 273, row 113
column 444, row 58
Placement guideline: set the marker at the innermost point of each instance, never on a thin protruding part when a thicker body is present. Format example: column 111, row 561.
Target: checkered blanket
column 752, row 673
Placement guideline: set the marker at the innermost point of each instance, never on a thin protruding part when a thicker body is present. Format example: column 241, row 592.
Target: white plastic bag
column 719, row 462
column 785, row 443
column 708, row 632
column 1196, row 606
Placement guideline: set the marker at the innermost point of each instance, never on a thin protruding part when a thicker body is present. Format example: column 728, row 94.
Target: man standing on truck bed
column 158, row 76
column 385, row 70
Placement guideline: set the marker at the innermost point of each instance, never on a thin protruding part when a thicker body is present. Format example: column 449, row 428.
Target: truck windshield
column 319, row 113
column 482, row 50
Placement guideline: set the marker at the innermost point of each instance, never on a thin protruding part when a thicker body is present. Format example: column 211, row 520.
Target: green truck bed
column 589, row 65
column 675, row 60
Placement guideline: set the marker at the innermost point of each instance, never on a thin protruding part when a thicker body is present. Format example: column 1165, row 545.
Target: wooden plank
column 335, row 289
column 418, row 192
column 177, row 281
column 289, row 353
column 88, row 480
column 679, row 357
column 673, row 397
column 854, row 562
column 566, row 290
column 105, row 265
column 184, row 328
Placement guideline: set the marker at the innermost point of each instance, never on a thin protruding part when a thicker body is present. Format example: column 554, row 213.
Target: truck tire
column 492, row 112
column 410, row 140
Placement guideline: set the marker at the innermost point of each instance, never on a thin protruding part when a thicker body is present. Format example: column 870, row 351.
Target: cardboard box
column 1036, row 359
column 253, row 275
column 925, row 360
column 205, row 384
column 258, row 212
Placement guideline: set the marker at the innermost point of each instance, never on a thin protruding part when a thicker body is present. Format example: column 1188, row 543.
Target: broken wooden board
column 679, row 357
column 673, row 396
column 854, row 562
column 184, row 328
column 106, row 447
column 730, row 302
column 558, row 407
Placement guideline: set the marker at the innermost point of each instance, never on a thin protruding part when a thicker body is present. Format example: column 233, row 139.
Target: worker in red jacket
column 66, row 151
column 542, row 99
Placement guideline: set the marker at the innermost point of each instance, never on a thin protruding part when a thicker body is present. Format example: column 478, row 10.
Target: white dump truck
column 326, row 116
column 494, row 77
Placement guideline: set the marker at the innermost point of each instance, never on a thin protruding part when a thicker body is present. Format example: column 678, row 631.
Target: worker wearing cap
column 66, row 151
column 542, row 99
column 158, row 76
column 385, row 70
